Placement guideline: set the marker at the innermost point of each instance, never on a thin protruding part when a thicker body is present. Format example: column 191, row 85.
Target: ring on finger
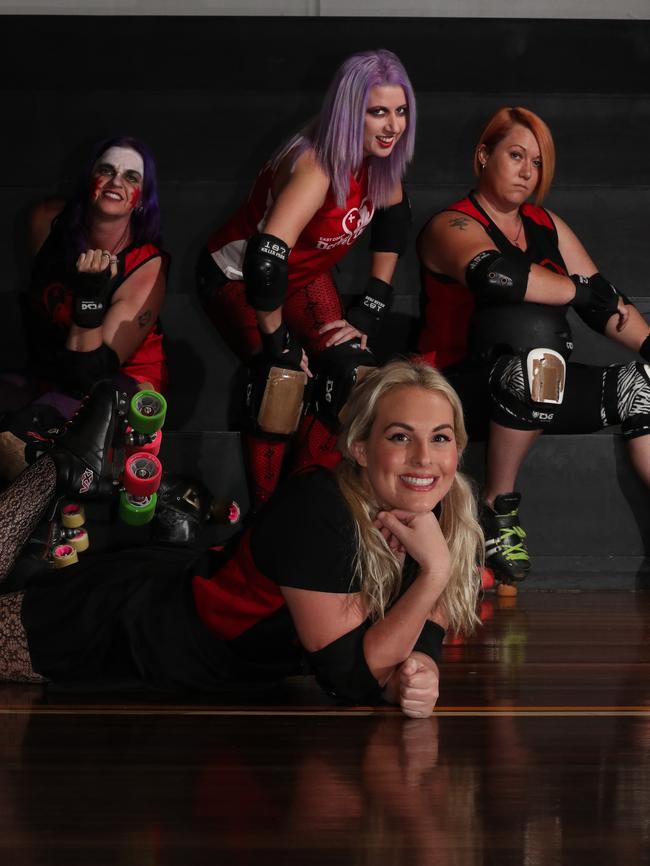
column 107, row 254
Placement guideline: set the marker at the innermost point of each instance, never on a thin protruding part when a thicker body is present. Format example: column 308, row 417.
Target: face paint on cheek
column 95, row 188
column 135, row 197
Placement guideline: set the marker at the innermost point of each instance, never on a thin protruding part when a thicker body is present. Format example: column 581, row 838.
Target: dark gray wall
column 214, row 96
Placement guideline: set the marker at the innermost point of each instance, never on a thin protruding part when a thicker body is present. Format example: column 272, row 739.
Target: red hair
column 500, row 124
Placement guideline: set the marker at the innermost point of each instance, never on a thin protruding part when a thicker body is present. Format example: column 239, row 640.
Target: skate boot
column 82, row 452
column 505, row 546
column 185, row 506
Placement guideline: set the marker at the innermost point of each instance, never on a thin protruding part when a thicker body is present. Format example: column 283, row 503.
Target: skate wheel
column 64, row 555
column 73, row 515
column 137, row 510
column 506, row 590
column 79, row 540
column 487, row 577
column 227, row 513
column 152, row 447
column 147, row 411
column 142, row 474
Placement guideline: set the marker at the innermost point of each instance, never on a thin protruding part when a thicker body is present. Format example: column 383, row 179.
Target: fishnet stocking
column 21, row 507
column 15, row 663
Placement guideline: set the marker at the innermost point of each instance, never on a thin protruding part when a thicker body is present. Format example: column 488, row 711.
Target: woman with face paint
column 353, row 575
column 500, row 273
column 98, row 283
column 264, row 277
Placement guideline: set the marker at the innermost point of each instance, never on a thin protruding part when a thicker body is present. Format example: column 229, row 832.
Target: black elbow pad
column 596, row 300
column 390, row 228
column 266, row 272
column 341, row 669
column 496, row 279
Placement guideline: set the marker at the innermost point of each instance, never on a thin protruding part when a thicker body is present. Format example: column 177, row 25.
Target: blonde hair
column 500, row 124
column 377, row 568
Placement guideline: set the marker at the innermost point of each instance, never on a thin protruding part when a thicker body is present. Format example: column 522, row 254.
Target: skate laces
column 517, row 550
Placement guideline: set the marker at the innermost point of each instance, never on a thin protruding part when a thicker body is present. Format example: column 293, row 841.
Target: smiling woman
column 265, row 276
column 353, row 575
column 98, row 283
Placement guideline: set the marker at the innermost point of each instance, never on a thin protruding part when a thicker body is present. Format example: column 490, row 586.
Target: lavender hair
column 336, row 135
column 145, row 219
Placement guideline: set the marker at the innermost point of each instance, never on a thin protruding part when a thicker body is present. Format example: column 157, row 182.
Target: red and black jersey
column 322, row 243
column 51, row 302
column 449, row 305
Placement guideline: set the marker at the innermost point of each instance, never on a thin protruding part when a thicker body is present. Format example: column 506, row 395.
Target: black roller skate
column 505, row 541
column 185, row 506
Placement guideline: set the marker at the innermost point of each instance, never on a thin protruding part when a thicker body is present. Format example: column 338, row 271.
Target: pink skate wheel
column 142, row 474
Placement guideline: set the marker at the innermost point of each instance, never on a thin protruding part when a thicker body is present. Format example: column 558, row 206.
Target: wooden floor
column 539, row 755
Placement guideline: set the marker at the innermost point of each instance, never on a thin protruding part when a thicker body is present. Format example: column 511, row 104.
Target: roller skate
column 505, row 546
column 111, row 444
column 185, row 506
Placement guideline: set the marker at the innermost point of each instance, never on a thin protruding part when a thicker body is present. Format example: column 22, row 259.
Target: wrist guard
column 281, row 346
column 595, row 301
column 92, row 292
column 266, row 271
column 390, row 228
column 368, row 310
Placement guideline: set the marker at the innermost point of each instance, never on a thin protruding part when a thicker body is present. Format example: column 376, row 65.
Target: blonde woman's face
column 410, row 458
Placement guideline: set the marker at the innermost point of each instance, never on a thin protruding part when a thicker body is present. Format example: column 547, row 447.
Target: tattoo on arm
column 459, row 223
column 144, row 318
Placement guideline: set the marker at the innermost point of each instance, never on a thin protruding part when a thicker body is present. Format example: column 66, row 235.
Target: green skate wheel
column 137, row 510
column 147, row 411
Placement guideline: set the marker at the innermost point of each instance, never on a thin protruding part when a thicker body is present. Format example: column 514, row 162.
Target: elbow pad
column 495, row 279
column 430, row 640
column 266, row 272
column 595, row 301
column 80, row 370
column 390, row 228
column 368, row 310
column 342, row 671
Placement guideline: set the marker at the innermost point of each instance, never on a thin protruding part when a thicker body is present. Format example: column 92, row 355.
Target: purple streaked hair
column 145, row 219
column 336, row 134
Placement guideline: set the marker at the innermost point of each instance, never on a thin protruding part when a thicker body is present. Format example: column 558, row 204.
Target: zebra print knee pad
column 633, row 399
column 525, row 387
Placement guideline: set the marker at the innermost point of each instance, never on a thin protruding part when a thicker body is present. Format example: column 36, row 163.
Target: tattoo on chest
column 459, row 223
column 144, row 318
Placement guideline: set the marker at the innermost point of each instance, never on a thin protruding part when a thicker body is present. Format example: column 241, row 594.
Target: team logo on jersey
column 353, row 224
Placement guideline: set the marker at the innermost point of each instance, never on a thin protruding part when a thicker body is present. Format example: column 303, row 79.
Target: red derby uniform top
column 322, row 243
column 51, row 302
column 449, row 305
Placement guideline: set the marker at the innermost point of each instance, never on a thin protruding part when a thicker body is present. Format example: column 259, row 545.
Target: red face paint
column 135, row 197
column 96, row 187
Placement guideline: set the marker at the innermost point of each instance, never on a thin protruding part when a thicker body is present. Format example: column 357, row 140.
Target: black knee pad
column 275, row 397
column 338, row 369
column 524, row 388
column 633, row 399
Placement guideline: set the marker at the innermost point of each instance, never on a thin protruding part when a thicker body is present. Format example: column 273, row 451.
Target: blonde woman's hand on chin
column 419, row 535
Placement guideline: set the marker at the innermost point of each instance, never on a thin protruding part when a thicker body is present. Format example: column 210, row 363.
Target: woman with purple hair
column 264, row 277
column 97, row 286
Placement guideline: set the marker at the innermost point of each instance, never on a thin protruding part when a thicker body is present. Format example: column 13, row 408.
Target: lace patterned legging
column 21, row 506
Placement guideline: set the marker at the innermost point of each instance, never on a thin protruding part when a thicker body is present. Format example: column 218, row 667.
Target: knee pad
column 339, row 368
column 633, row 399
column 525, row 387
column 275, row 397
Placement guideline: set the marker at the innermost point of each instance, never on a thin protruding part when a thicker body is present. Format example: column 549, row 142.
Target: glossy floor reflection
column 539, row 754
